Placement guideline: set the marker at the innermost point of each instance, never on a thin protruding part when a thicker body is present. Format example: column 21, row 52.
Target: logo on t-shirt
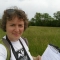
column 22, row 54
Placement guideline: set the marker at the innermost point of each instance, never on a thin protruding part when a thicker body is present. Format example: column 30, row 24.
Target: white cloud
column 32, row 6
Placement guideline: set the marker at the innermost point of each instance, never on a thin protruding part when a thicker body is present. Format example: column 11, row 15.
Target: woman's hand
column 37, row 58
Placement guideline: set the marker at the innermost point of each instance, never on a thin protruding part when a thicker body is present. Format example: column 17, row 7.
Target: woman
column 14, row 23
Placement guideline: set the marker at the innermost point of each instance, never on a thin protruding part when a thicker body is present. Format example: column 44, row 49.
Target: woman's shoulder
column 2, row 46
column 26, row 41
column 3, row 50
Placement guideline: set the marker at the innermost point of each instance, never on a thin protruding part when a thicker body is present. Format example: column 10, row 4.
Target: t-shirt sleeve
column 3, row 52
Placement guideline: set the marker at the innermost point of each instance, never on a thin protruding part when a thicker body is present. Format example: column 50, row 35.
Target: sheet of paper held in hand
column 51, row 53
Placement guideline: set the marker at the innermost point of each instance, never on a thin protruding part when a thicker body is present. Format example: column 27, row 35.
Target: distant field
column 40, row 37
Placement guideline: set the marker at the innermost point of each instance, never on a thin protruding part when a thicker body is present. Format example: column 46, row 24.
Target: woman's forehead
column 15, row 20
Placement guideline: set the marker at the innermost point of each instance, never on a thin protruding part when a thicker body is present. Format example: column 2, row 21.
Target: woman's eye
column 20, row 25
column 12, row 25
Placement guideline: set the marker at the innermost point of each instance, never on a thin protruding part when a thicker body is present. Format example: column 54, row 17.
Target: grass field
column 40, row 37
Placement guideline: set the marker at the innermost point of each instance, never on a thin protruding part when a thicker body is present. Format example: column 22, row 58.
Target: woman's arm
column 37, row 58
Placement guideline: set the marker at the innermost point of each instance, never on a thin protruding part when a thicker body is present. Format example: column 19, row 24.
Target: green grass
column 1, row 33
column 40, row 37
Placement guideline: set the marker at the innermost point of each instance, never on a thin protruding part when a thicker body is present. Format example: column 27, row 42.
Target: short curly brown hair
column 9, row 14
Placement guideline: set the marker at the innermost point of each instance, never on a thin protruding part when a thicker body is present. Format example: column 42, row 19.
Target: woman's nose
column 17, row 28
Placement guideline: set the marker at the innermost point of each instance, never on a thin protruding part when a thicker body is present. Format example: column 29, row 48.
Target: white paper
column 50, row 54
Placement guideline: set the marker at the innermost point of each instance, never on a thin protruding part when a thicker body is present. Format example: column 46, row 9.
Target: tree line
column 45, row 19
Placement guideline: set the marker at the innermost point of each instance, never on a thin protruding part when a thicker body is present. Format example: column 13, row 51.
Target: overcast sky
column 32, row 6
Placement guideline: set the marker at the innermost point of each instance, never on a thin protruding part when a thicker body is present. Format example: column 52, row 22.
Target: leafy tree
column 32, row 22
column 46, row 16
column 57, row 15
column 37, row 18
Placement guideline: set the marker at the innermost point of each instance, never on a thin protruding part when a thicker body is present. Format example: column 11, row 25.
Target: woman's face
column 14, row 29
